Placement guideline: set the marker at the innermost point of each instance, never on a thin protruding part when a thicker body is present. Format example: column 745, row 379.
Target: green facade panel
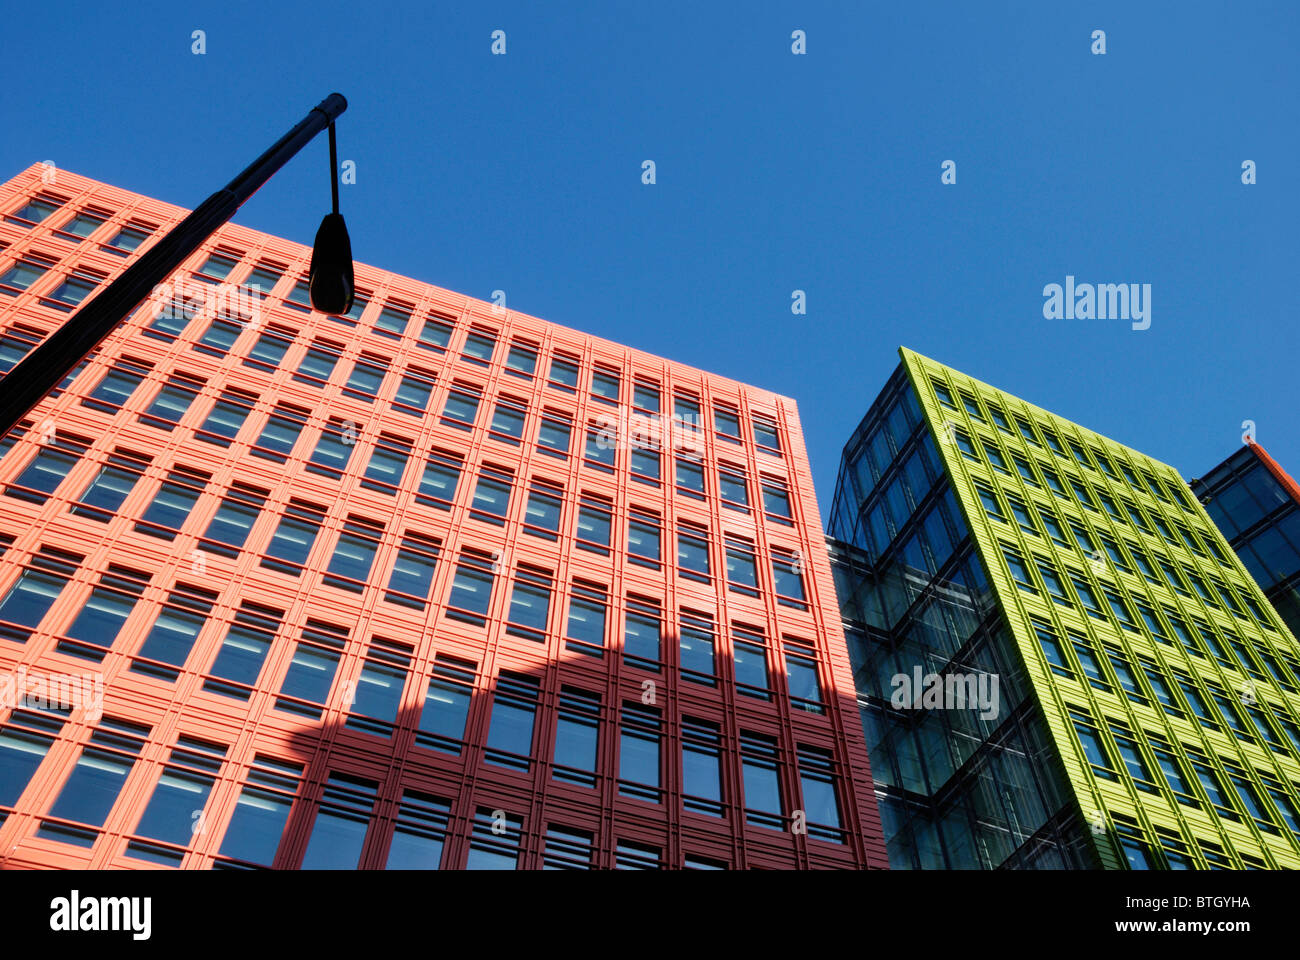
column 1170, row 686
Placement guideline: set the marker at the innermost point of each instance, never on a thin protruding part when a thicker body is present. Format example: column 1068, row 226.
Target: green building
column 1059, row 661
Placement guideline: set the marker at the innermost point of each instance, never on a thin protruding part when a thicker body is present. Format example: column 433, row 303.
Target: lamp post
column 330, row 282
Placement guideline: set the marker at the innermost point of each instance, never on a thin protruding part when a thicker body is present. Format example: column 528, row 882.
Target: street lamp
column 330, row 282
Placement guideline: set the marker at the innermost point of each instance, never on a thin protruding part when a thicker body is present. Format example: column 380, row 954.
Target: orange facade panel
column 435, row 584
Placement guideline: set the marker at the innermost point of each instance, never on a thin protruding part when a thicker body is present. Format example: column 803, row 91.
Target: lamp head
column 330, row 280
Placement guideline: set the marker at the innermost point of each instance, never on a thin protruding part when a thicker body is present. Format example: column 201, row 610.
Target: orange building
column 435, row 584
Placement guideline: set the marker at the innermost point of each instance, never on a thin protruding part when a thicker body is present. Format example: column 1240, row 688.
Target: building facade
column 1059, row 660
column 432, row 585
column 1256, row 505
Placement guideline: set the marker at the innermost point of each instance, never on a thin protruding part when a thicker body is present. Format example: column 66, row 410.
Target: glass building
column 434, row 584
column 1059, row 661
column 1257, row 506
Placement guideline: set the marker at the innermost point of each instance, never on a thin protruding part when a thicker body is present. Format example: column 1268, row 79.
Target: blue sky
column 775, row 172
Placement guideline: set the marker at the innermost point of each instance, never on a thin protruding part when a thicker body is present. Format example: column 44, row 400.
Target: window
column 766, row 435
column 542, row 511
column 495, row 844
column 333, row 448
column 726, row 423
column 172, row 503
column 270, row 348
column 392, row 320
column 555, row 434
column 414, row 392
column 749, row 657
column 645, row 464
column 701, row 766
column 226, row 417
column 180, row 795
column 640, row 738
column 318, row 364
column 30, row 597
column 339, row 831
column 1119, row 607
column 1088, row 598
column 696, row 649
column 786, row 574
column 446, row 705
column 24, row 742
column 480, row 344
column 693, row 554
column 128, row 238
column 168, row 644
column 230, row 525
column 1094, row 748
column 387, row 464
column 293, row 538
column 761, row 772
column 111, row 485
column 1052, row 650
column 16, row 343
column 171, row 402
column 510, row 734
column 280, row 433
column 568, row 849
column 216, row 268
column 471, row 588
column 577, row 734
column 441, row 477
column 354, row 554
column 817, row 779
column 530, row 603
column 239, row 660
column 261, row 280
column 564, row 373
column 46, row 470
column 37, row 209
column 24, row 273
column 643, row 539
column 1025, row 470
column 412, row 574
column 92, row 788
column 117, row 385
column 310, row 676
column 491, row 502
column 1213, row 787
column 989, row 500
column 595, row 520
column 645, row 396
column 75, row 288
column 461, row 406
column 419, row 833
column 742, row 568
column 1052, row 581
column 1116, row 555
column 521, row 361
column 1173, row 770
column 96, row 627
column 508, row 421
column 776, row 501
column 367, row 376
column 219, row 337
column 585, row 632
column 436, row 334
column 733, row 488
column 605, row 384
column 379, row 687
column 1024, row 518
column 690, row 478
column 641, row 629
